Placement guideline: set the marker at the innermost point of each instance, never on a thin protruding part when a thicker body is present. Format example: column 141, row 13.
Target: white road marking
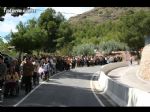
column 33, row 91
column 100, row 102
column 27, row 96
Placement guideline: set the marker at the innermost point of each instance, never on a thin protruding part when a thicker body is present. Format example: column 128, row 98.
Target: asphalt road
column 70, row 88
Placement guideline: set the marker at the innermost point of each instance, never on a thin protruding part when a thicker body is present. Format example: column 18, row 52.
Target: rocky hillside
column 101, row 14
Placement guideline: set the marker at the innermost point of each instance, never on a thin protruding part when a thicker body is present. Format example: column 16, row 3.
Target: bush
column 108, row 47
column 84, row 49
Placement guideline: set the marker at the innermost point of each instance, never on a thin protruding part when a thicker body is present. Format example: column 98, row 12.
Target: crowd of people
column 32, row 68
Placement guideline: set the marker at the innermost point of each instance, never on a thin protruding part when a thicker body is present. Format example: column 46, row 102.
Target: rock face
column 144, row 69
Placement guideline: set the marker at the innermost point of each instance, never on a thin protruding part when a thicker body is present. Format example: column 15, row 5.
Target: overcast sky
column 10, row 22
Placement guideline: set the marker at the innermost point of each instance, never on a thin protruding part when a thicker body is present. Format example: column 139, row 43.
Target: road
column 69, row 88
column 129, row 77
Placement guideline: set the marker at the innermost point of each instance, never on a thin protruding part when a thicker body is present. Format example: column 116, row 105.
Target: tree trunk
column 144, row 69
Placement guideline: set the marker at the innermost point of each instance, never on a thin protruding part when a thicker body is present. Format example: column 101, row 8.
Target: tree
column 37, row 36
column 20, row 41
column 50, row 21
column 132, row 32
column 64, row 35
column 145, row 25
column 64, row 41
column 4, row 47
column 29, row 34
column 130, row 28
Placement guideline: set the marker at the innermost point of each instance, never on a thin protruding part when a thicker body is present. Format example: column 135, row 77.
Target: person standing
column 131, row 59
column 46, row 70
column 28, row 70
column 35, row 73
column 11, row 82
column 3, row 70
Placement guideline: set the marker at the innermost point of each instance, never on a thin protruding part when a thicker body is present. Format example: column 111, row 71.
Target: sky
column 10, row 22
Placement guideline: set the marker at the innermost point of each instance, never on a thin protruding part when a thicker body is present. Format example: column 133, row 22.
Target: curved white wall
column 121, row 94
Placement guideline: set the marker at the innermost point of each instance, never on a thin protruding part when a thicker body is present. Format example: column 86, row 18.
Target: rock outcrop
column 144, row 69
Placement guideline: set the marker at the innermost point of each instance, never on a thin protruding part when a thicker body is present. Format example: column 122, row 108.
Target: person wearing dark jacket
column 28, row 70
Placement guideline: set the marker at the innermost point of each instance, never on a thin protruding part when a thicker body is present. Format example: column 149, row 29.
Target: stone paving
column 128, row 76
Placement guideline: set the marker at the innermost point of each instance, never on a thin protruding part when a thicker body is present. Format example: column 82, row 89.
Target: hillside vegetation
column 103, row 28
column 102, row 14
column 127, row 26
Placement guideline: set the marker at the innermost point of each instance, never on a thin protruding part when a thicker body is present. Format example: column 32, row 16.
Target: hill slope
column 101, row 14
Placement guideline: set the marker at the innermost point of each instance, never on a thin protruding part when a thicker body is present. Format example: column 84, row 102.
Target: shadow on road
column 53, row 95
column 57, row 84
column 75, row 75
column 9, row 101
